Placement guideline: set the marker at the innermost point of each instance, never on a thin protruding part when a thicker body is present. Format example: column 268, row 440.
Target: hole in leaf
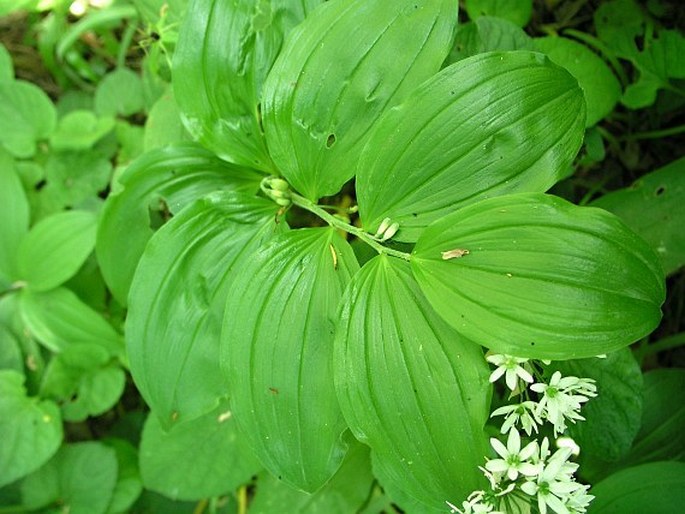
column 330, row 141
column 660, row 190
column 259, row 117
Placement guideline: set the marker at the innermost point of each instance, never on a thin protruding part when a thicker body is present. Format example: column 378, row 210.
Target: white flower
column 514, row 460
column 554, row 485
column 474, row 504
column 579, row 500
column 511, row 366
column 557, row 405
column 522, row 413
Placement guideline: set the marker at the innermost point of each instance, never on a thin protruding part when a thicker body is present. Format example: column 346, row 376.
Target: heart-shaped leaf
column 410, row 386
column 535, row 276
column 488, row 125
column 277, row 350
column 154, row 187
column 347, row 63
column 224, row 53
column 177, row 301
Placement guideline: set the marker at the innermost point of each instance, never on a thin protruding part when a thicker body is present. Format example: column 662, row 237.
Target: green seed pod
column 283, row 202
column 383, row 227
column 278, row 184
column 390, row 231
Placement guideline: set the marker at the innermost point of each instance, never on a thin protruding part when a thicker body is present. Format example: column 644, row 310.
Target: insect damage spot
column 330, row 140
column 454, row 254
column 660, row 190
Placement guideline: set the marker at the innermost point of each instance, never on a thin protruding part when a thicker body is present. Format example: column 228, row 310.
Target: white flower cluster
column 522, row 475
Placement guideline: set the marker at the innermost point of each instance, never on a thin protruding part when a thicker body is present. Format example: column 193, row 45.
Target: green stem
column 335, row 222
column 657, row 134
column 125, row 43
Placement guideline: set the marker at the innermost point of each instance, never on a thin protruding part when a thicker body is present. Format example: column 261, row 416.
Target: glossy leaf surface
column 31, row 429
column 652, row 207
column 346, row 64
column 538, row 281
column 152, row 188
column 177, row 301
column 488, row 34
column 492, row 124
column 657, row 488
column 600, row 86
column 58, row 318
column 277, row 350
column 198, row 459
column 55, row 248
column 81, row 477
column 224, row 54
column 410, row 386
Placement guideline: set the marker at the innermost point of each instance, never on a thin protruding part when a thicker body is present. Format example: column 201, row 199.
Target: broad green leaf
column 80, row 478
column 120, row 93
column 26, row 117
column 129, row 485
column 612, row 419
column 14, row 213
column 155, row 186
column 515, row 11
column 58, row 318
column 198, row 459
column 492, row 124
column 277, row 351
column 652, row 207
column 339, row 70
column 55, row 248
column 10, row 352
column 543, row 278
column 178, row 297
column 346, row 492
column 600, row 86
column 662, row 434
column 163, row 125
column 80, row 130
column 487, row 34
column 224, row 54
column 6, row 65
column 31, row 429
column 154, row 503
column 656, row 488
column 410, row 386
column 84, row 381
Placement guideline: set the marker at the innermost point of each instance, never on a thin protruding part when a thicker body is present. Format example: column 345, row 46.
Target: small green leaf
column 120, row 93
column 515, row 11
column 600, row 86
column 652, row 207
column 232, row 45
column 346, row 492
column 334, row 77
column 58, row 318
column 181, row 282
column 409, row 386
column 656, row 488
column 612, row 419
column 80, row 130
column 26, row 117
column 55, row 248
column 80, row 478
column 31, row 429
column 492, row 124
column 542, row 278
column 197, row 459
column 488, row 34
column 158, row 184
column 277, row 351
column 129, row 485
column 83, row 380
column 14, row 213
column 618, row 23
column 10, row 352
